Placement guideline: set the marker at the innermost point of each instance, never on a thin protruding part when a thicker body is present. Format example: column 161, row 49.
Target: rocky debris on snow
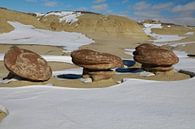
column 154, row 58
column 26, row 65
column 96, row 65
column 3, row 112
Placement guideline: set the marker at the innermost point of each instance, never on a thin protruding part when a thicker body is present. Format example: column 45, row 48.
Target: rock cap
column 153, row 55
column 91, row 59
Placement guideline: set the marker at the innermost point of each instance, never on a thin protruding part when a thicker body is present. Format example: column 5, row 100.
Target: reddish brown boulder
column 95, row 60
column 96, row 65
column 155, row 58
column 145, row 46
column 27, row 64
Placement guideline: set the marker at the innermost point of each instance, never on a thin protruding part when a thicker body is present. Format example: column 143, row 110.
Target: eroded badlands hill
column 111, row 33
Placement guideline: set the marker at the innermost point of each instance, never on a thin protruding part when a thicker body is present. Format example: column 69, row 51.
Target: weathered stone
column 97, row 75
column 96, row 65
column 95, row 60
column 154, row 58
column 153, row 55
column 27, row 64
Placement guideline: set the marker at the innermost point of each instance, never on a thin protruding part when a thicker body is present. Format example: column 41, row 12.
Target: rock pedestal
column 26, row 64
column 96, row 65
column 154, row 58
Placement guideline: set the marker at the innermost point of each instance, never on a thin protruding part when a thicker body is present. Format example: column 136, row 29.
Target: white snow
column 68, row 71
column 4, row 109
column 27, row 34
column 40, row 14
column 1, row 56
column 148, row 27
column 66, row 59
column 185, row 62
column 166, row 38
column 134, row 104
column 129, row 51
column 67, row 16
column 146, row 74
column 174, row 44
column 158, row 37
column 189, row 33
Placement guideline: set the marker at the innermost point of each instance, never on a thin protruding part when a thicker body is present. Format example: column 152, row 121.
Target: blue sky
column 179, row 11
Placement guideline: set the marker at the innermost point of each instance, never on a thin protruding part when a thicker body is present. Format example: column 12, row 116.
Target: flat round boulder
column 90, row 59
column 155, row 56
column 27, row 64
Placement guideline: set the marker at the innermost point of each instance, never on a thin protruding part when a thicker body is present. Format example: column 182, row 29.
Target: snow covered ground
column 134, row 104
column 27, row 34
column 185, row 62
column 66, row 59
column 160, row 38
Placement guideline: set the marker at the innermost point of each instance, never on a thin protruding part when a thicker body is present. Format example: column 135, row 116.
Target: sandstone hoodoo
column 27, row 65
column 96, row 65
column 154, row 58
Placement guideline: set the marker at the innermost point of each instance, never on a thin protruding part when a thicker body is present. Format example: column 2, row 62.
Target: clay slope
column 111, row 33
column 88, row 23
column 25, row 18
column 101, row 25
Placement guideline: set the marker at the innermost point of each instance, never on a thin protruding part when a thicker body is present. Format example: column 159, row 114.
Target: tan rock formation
column 95, row 60
column 154, row 58
column 96, row 65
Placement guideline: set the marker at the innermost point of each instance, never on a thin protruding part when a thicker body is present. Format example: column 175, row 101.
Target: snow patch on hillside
column 39, row 14
column 65, row 59
column 27, row 34
column 158, row 37
column 189, row 33
column 66, row 16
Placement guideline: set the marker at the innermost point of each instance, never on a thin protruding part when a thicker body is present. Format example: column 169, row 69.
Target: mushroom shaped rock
column 27, row 64
column 90, row 59
column 155, row 58
column 96, row 65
